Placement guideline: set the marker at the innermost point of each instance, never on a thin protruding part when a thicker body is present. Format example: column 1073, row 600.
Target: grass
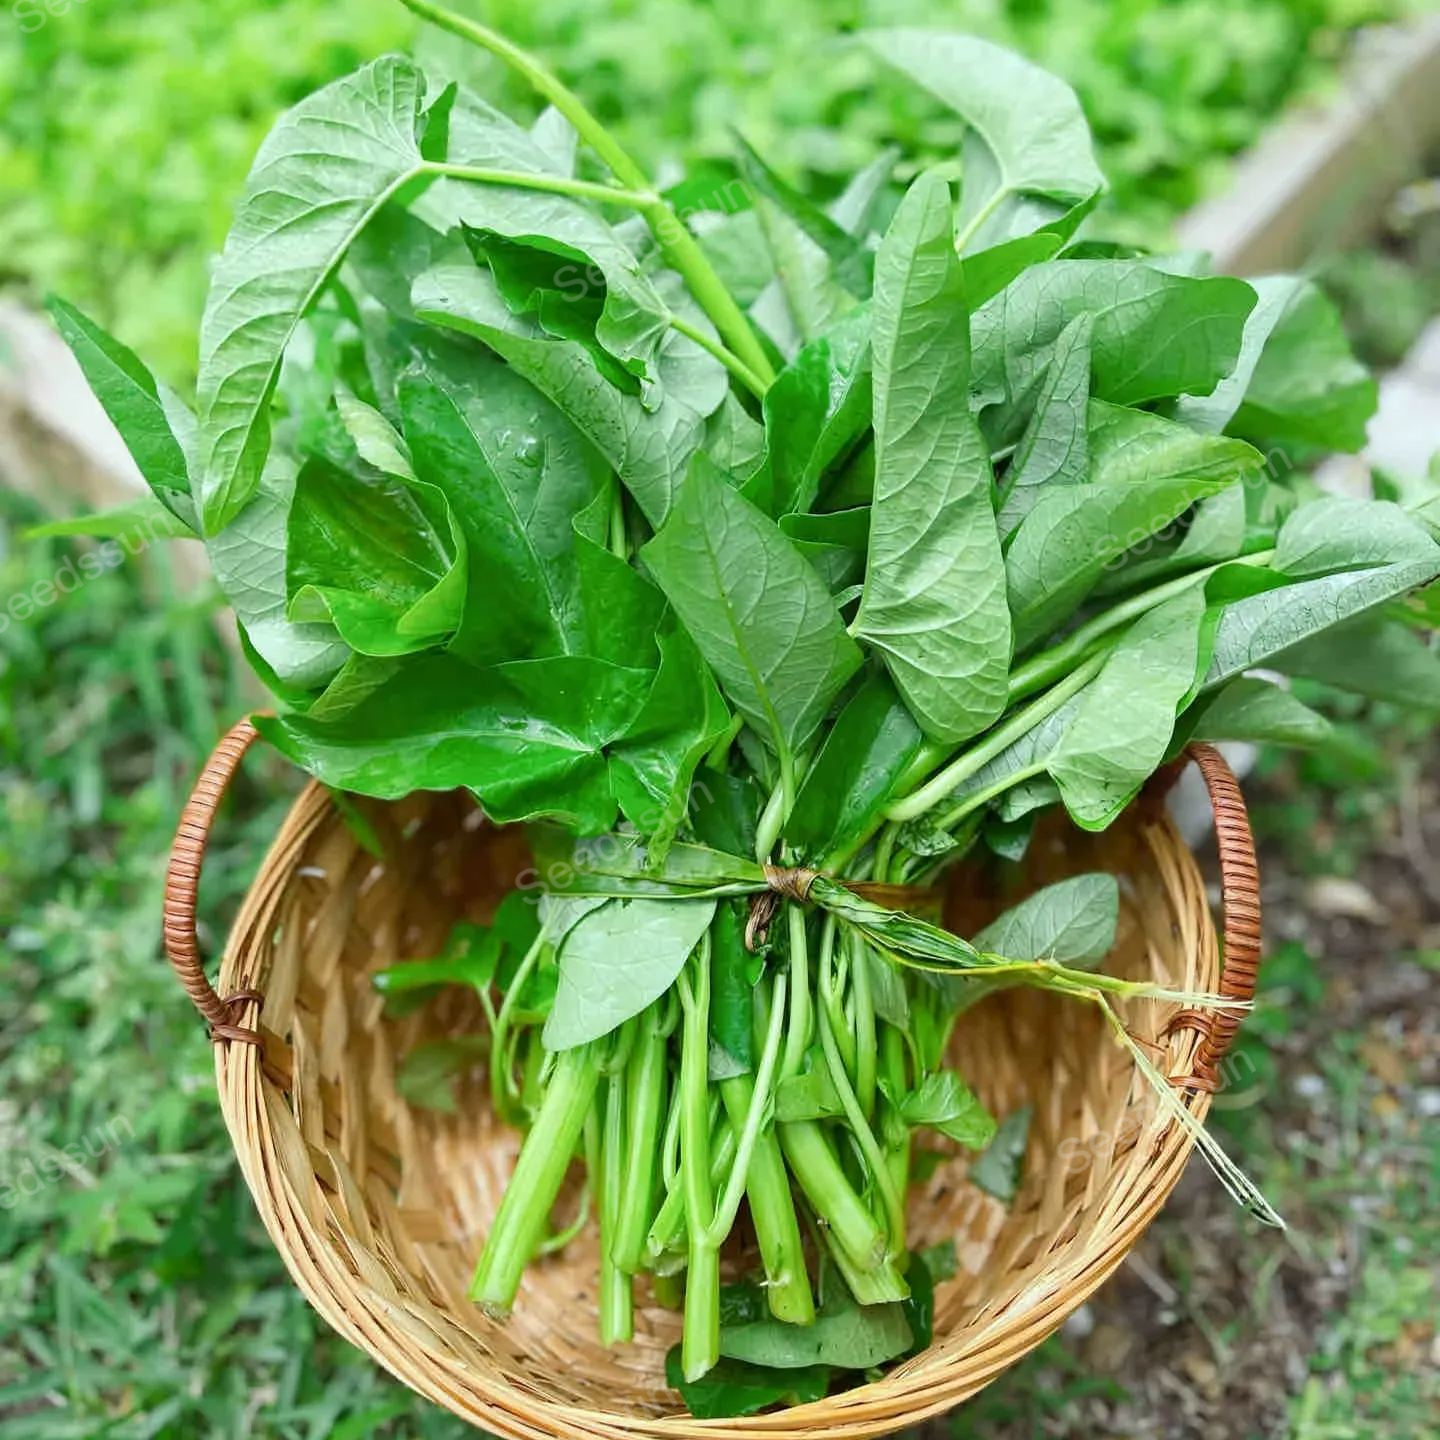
column 139, row 1296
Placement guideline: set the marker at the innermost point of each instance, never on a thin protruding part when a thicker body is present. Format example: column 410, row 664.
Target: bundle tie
column 795, row 882
column 784, row 882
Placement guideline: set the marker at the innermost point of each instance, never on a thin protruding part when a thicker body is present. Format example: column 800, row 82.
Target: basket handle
column 182, row 886
column 1240, row 901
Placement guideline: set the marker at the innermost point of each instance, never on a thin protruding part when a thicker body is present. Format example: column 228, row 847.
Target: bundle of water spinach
column 766, row 557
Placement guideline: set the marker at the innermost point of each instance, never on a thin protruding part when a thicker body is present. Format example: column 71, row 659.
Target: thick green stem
column 881, row 1286
column 892, row 1199
column 617, row 1294
column 647, row 1077
column 538, row 180
column 781, row 802
column 864, row 1023
column 833, row 1199
column 681, row 250
column 732, row 362
column 539, row 1173
column 670, row 1229
column 1040, row 670
column 503, row 1091
column 748, row 1126
column 832, row 994
column 797, row 1037
column 772, row 1209
column 700, row 1346
column 964, row 766
column 894, row 1129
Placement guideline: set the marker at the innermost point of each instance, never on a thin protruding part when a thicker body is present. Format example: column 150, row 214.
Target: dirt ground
column 1217, row 1329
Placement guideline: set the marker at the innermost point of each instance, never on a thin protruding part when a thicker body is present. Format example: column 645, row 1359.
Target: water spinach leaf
column 157, row 428
column 934, row 600
column 756, row 609
column 1262, row 712
column 328, row 165
column 1028, row 156
column 617, row 961
column 734, row 1388
column 1072, row 921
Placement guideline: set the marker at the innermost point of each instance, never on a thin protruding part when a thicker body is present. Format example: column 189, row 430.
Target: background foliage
column 117, row 195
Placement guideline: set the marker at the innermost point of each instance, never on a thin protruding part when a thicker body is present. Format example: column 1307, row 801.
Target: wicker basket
column 379, row 1209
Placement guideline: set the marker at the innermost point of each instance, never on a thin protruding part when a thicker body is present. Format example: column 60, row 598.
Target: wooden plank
column 1320, row 179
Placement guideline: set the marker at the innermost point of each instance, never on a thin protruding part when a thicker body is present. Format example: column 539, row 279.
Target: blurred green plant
column 128, row 127
column 139, row 1295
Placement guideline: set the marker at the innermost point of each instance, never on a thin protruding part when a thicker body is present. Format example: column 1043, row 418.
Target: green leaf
column 617, row 961
column 816, row 410
column 154, row 423
column 934, row 600
column 649, row 449
column 527, row 737
column 384, row 561
column 1134, row 447
column 733, row 973
column 810, row 1095
column 377, row 441
column 248, row 560
column 1256, row 710
column 1378, row 657
column 1155, row 334
column 1126, row 715
column 1000, row 1169
column 944, row 1102
column 145, row 518
column 1213, row 413
column 1308, row 388
column 428, row 1074
column 328, row 165
column 634, row 320
column 1055, row 448
column 1070, row 537
column 1099, row 772
column 920, row 1306
column 845, row 1335
column 833, row 542
column 759, row 613
column 989, row 272
column 620, row 865
column 515, row 473
column 1344, row 533
column 848, row 257
column 682, row 718
column 1028, row 155
column 733, row 1388
column 854, row 775
column 734, row 441
column 1257, row 627
column 1217, row 530
column 805, row 297
column 1072, row 922
column 854, row 208
column 470, row 958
